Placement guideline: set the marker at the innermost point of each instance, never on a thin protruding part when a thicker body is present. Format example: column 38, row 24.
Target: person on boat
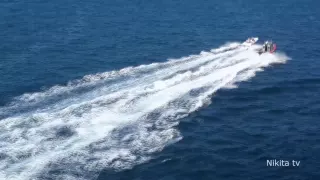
column 265, row 46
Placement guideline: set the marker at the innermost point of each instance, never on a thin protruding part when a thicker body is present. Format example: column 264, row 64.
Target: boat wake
column 115, row 119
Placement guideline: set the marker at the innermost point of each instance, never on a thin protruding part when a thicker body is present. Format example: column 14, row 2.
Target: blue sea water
column 147, row 90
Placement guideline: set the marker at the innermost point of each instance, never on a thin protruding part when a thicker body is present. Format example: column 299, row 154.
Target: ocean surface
column 159, row 90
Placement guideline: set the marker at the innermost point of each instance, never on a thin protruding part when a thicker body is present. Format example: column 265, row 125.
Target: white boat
column 250, row 41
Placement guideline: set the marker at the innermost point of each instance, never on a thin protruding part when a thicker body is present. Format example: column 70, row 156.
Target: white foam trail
column 117, row 122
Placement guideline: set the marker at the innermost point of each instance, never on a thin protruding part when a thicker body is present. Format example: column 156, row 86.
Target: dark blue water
column 71, row 131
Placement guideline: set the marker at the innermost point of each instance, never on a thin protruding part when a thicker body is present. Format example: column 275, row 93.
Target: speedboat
column 250, row 41
column 268, row 47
